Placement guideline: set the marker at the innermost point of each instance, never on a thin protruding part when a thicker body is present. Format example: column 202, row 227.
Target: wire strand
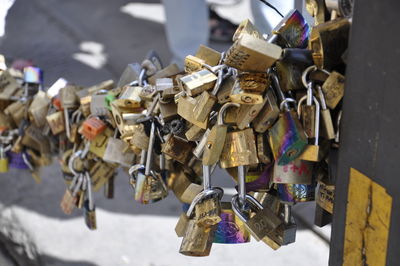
column 273, row 7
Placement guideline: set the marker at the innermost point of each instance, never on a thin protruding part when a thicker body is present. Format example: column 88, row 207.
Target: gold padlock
column 250, row 53
column 198, row 82
column 246, row 27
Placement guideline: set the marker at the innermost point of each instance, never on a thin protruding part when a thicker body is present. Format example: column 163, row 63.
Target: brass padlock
column 316, row 8
column 240, row 96
column 326, row 35
column 16, row 111
column 185, row 110
column 38, row 109
column 248, row 28
column 130, row 98
column 239, row 149
column 247, row 113
column 8, row 85
column 198, row 82
column 263, row 149
column 268, row 114
column 100, row 173
column 34, row 139
column 197, row 240
column 210, row 56
column 181, row 225
column 333, row 89
column 169, row 71
column 56, row 122
column 253, row 81
column 217, row 137
column 325, row 196
column 250, row 53
column 194, row 133
column 177, row 148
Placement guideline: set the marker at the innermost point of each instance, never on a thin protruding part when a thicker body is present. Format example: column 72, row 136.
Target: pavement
column 86, row 42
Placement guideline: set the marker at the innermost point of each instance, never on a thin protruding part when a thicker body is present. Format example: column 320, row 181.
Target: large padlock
column 239, row 149
column 250, row 53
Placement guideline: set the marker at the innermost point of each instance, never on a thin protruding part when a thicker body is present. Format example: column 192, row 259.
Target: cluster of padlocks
column 267, row 110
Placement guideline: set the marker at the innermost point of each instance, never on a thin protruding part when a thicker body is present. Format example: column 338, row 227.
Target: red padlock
column 92, row 127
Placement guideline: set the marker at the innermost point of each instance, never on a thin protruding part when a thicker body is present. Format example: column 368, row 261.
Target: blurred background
column 86, row 42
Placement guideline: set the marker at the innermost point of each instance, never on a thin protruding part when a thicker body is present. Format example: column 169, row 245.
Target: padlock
column 326, row 116
column 247, row 113
column 169, row 71
column 6, row 122
column 333, row 89
column 230, row 230
column 326, row 35
column 69, row 100
column 8, row 84
column 37, row 111
column 206, row 101
column 16, row 111
column 268, row 114
column 248, row 28
column 181, row 225
column 100, row 173
column 308, row 112
column 34, row 139
column 296, row 192
column 210, row 56
column 312, row 151
column 185, row 110
column 70, row 199
column 194, row 133
column 263, row 149
column 225, row 90
column 285, row 234
column 291, row 66
column 217, row 137
column 239, row 149
column 240, row 96
column 92, row 127
column 130, row 74
column 206, row 204
column 98, row 145
column 130, row 98
column 259, row 181
column 261, row 223
column 249, row 53
column 201, row 145
column 177, row 148
column 253, row 81
column 56, row 122
column 291, row 32
column 198, row 82
column 193, row 64
column 286, row 138
column 168, row 109
column 90, row 209
column 295, row 172
column 117, row 152
column 325, row 196
column 197, row 240
column 109, row 188
column 316, row 8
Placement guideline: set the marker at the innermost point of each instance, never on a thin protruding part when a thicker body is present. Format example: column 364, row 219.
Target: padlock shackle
column 321, row 97
column 202, row 196
column 221, row 113
column 306, row 72
column 149, row 156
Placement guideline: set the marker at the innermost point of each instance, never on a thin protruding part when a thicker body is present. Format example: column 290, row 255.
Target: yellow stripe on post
column 367, row 222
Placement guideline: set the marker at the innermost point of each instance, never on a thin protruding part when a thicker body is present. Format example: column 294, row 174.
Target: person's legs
column 186, row 27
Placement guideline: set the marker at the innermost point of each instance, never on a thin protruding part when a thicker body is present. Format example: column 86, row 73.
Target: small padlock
column 230, row 230
column 216, row 139
column 246, row 27
column 326, row 35
column 268, row 114
column 197, row 240
column 92, row 127
column 295, row 172
column 90, row 209
column 333, row 89
column 3, row 160
column 239, row 149
column 198, row 82
column 286, row 138
column 177, row 148
column 56, row 122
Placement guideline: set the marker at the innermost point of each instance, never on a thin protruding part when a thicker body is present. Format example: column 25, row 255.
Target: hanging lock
column 92, row 127
column 286, row 137
column 217, row 137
